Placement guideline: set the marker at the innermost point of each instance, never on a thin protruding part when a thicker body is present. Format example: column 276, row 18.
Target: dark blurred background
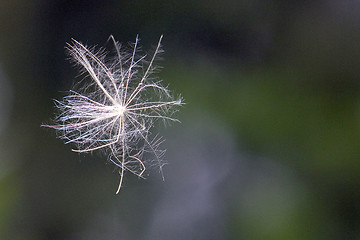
column 268, row 147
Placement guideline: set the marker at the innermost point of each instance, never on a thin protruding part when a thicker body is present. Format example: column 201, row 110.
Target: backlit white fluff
column 115, row 107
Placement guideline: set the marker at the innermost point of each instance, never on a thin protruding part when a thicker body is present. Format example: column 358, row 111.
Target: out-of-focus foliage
column 268, row 147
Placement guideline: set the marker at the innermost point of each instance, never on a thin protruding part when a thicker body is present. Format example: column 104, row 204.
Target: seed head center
column 120, row 109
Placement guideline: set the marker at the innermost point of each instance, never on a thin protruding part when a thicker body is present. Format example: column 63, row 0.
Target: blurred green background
column 268, row 147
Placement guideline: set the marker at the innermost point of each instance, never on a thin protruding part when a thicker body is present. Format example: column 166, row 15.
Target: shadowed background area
column 268, row 147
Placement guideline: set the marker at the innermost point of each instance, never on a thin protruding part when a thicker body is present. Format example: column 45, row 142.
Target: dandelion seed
column 115, row 108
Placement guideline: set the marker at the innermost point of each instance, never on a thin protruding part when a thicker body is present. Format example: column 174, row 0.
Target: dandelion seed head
column 115, row 106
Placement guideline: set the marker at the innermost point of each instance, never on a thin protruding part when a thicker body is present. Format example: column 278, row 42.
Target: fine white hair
column 114, row 109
